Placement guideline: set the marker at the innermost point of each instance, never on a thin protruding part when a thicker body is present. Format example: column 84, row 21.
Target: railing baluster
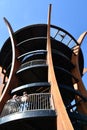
column 40, row 101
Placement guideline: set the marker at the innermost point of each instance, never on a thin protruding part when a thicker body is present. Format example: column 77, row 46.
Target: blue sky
column 70, row 15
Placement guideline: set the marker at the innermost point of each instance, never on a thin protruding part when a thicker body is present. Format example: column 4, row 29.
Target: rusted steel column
column 63, row 121
column 12, row 81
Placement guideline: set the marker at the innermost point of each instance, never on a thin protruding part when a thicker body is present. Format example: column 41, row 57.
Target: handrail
column 31, row 53
column 32, row 63
column 63, row 121
column 31, row 39
column 35, row 85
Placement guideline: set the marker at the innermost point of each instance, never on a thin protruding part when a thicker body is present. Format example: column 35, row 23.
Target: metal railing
column 32, row 63
column 63, row 36
column 37, row 101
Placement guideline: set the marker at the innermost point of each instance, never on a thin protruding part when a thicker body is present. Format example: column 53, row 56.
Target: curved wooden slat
column 80, row 86
column 84, row 71
column 63, row 121
column 81, row 38
column 12, row 81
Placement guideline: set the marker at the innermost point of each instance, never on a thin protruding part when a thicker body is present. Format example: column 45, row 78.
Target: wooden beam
column 76, row 71
column 84, row 71
column 63, row 121
column 12, row 80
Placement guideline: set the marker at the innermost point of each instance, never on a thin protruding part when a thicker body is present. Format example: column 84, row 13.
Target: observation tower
column 42, row 67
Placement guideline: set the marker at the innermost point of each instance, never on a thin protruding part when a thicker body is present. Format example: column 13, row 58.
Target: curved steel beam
column 63, row 121
column 12, row 80
column 80, row 86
